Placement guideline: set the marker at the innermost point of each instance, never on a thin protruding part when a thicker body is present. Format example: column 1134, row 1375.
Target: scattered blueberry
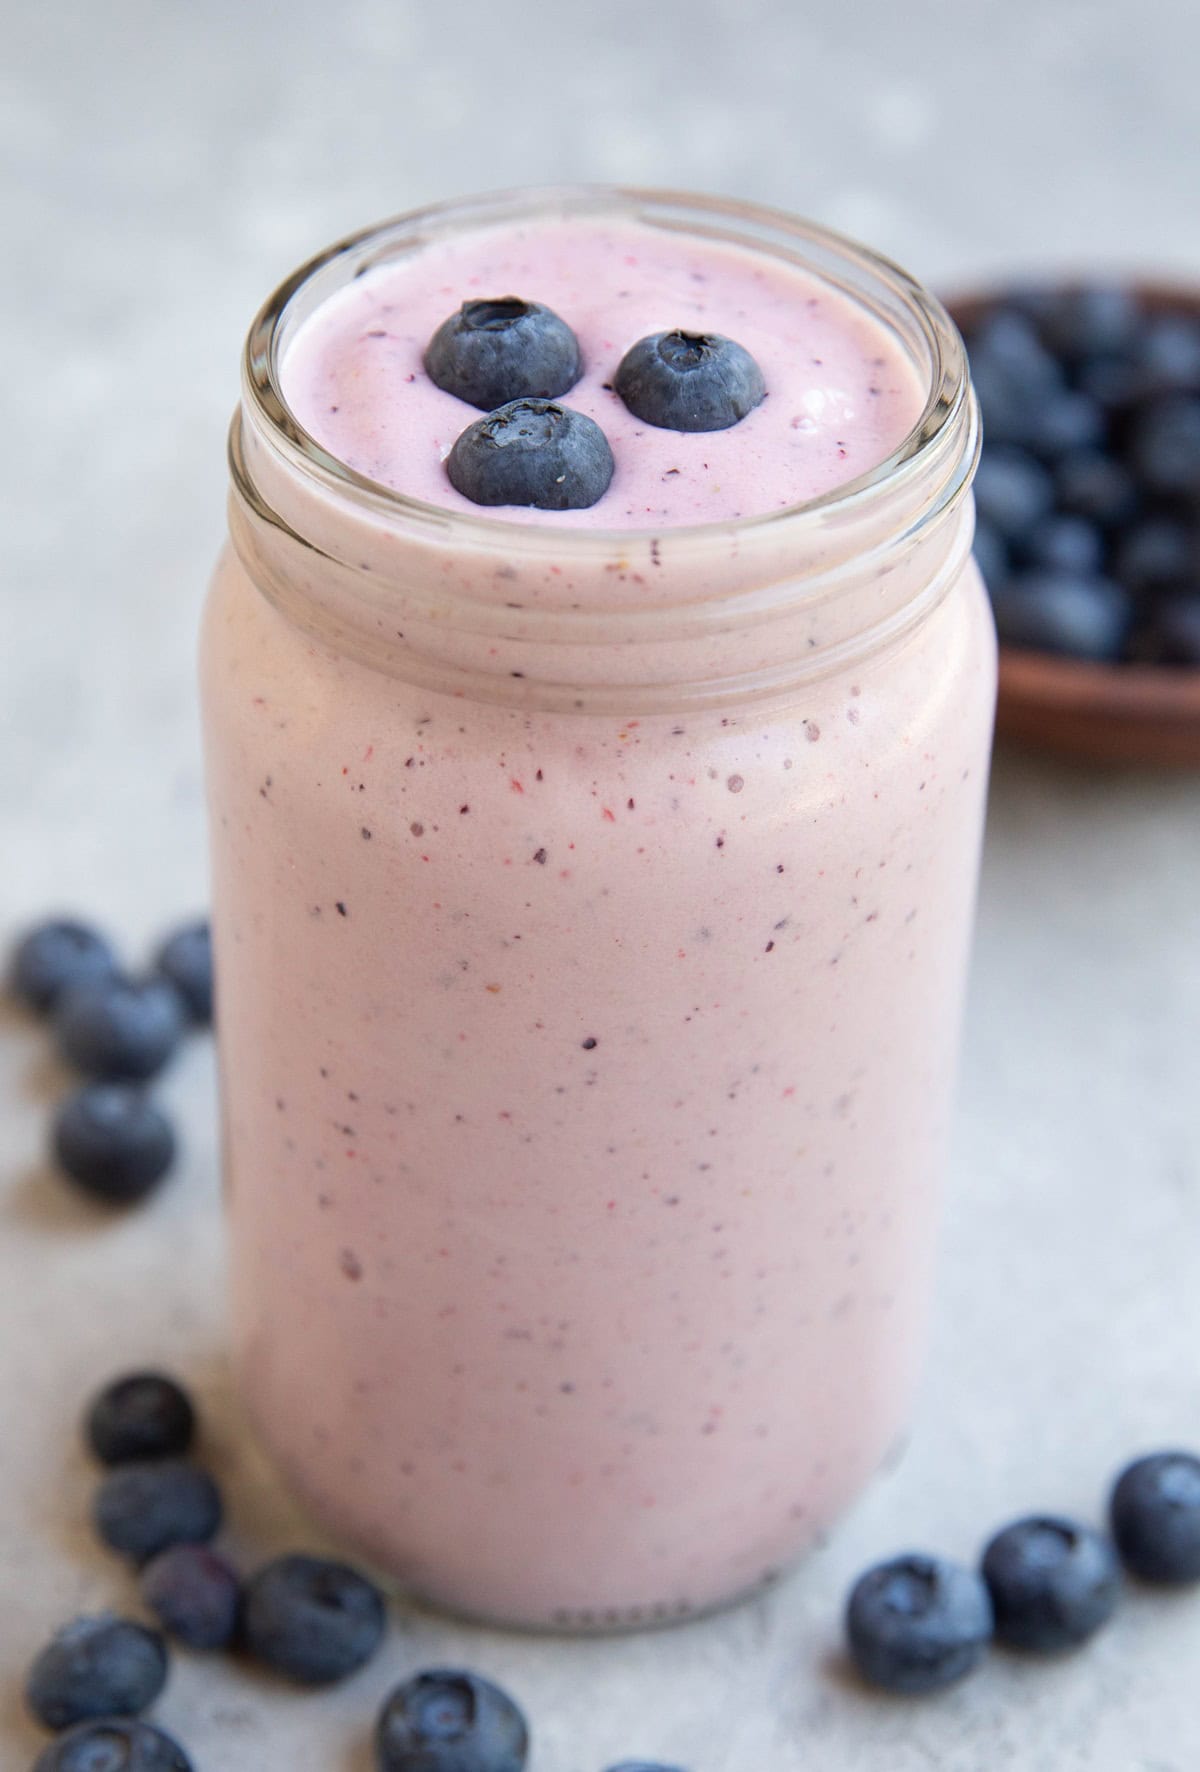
column 1167, row 354
column 1012, row 491
column 1155, row 1516
column 918, row 1623
column 1079, row 615
column 532, row 452
column 495, row 351
column 1065, row 424
column 1065, row 544
column 141, row 1416
column 1176, row 630
column 56, row 956
column 1053, row 1583
column 689, row 381
column 113, row 1744
column 142, row 1508
column 185, row 960
column 194, row 1594
column 991, row 555
column 449, row 1720
column 98, row 1666
column 1114, row 383
column 311, row 1620
column 1159, row 553
column 1006, row 342
column 119, row 1028
column 1093, row 320
column 1096, row 486
column 1164, row 446
column 113, row 1141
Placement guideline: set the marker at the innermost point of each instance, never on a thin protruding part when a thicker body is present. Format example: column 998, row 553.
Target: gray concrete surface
column 160, row 167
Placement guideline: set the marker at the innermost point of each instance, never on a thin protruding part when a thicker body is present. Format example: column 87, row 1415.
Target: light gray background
column 162, row 165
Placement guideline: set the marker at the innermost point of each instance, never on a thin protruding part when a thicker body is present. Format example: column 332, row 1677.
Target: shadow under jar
column 592, row 915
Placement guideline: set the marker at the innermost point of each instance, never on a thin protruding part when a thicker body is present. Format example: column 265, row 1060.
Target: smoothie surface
column 841, row 392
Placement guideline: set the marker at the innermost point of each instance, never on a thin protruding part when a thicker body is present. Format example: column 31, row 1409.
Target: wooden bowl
column 1101, row 713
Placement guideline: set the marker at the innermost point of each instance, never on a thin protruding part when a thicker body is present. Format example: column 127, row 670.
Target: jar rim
column 759, row 227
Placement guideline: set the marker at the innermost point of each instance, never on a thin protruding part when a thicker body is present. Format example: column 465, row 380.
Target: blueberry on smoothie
column 195, row 1595
column 644, row 1766
column 119, row 1027
column 1053, row 1583
column 311, row 1620
column 57, row 955
column 185, row 960
column 689, row 381
column 141, row 1509
column 1155, row 1515
column 113, row 1142
column 113, row 1744
column 140, row 1416
column 97, row 1666
column 450, row 1720
column 504, row 349
column 532, row 452
column 918, row 1623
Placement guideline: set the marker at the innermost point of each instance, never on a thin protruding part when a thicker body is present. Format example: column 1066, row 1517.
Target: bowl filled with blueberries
column 1088, row 513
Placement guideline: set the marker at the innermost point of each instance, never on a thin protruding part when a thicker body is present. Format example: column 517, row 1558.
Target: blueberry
column 504, row 349
column 1012, row 491
column 1176, row 630
column 644, row 1766
column 1164, row 446
column 113, row 1141
column 1003, row 408
column 1053, row 1583
column 113, row 1744
column 1093, row 485
column 1155, row 1515
column 1068, row 422
column 185, row 960
column 689, row 381
column 918, row 1623
column 449, row 1720
column 311, row 1620
column 1159, row 553
column 1006, row 342
column 1036, row 301
column 1167, row 354
column 119, row 1027
column 57, row 955
column 98, row 1666
column 1091, row 320
column 1065, row 544
column 194, row 1594
column 142, row 1508
column 1112, row 382
column 991, row 554
column 1083, row 616
column 532, row 452
column 141, row 1416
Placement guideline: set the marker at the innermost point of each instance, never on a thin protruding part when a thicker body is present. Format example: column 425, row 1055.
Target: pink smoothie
column 840, row 397
column 585, row 1072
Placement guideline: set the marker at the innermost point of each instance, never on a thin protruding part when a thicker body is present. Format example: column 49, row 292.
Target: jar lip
column 263, row 389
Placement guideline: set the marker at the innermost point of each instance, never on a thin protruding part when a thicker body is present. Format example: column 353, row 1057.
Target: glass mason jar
column 592, row 915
